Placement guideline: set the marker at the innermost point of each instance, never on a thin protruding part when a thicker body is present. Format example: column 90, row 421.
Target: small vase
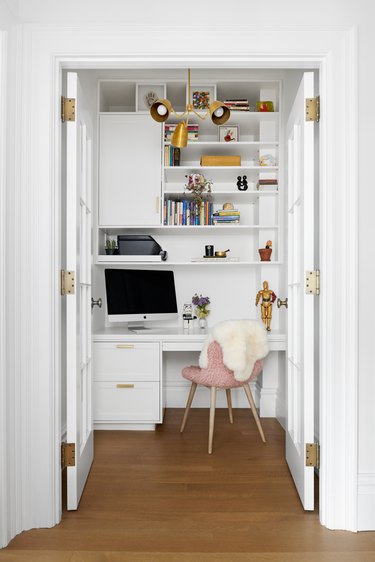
column 265, row 254
column 203, row 323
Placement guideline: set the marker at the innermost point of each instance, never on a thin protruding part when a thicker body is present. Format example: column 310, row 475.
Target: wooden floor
column 158, row 496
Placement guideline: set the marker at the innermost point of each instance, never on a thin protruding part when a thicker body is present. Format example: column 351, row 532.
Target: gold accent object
column 122, row 385
column 180, row 136
column 312, row 286
column 125, row 346
column 68, row 454
column 313, row 109
column 265, row 106
column 268, row 298
column 162, row 109
column 67, row 282
column 221, row 160
column 312, row 455
column 68, row 109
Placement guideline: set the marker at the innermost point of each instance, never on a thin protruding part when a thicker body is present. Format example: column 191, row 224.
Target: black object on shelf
column 139, row 245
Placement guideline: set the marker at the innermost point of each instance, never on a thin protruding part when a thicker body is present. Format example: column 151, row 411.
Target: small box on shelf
column 220, row 160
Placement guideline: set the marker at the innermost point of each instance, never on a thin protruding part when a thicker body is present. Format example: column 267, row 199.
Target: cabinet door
column 125, row 361
column 129, row 170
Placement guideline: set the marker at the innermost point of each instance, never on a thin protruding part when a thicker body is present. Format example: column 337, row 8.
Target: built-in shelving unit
column 126, row 206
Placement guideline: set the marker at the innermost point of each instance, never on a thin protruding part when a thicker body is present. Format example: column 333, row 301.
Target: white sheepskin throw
column 243, row 342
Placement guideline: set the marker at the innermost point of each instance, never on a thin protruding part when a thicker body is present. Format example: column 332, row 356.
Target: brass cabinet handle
column 125, row 346
column 121, row 385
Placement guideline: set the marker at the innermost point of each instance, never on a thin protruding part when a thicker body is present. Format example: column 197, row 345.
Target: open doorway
column 117, row 95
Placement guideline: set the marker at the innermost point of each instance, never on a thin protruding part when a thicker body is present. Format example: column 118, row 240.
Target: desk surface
column 277, row 339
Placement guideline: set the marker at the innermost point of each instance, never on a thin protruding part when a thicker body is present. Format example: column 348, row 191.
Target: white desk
column 129, row 380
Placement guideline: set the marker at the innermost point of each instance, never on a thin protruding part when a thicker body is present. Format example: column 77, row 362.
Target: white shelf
column 186, row 263
column 191, row 144
column 191, row 228
column 241, row 194
column 218, row 174
column 231, row 168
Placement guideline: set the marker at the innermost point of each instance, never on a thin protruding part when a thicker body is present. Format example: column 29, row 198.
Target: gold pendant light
column 162, row 109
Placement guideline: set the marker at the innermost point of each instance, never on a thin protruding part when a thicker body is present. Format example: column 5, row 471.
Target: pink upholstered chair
column 235, row 349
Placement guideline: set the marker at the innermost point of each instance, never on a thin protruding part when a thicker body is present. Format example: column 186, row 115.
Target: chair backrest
column 242, row 343
column 219, row 374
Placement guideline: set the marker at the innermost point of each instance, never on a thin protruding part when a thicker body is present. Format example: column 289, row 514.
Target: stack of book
column 268, row 183
column 226, row 216
column 187, row 213
column 171, row 156
column 169, row 129
column 237, row 105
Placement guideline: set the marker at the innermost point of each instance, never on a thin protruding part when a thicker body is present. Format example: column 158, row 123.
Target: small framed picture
column 147, row 94
column 229, row 133
column 202, row 95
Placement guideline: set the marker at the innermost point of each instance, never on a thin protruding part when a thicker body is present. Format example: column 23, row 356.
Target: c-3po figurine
column 268, row 297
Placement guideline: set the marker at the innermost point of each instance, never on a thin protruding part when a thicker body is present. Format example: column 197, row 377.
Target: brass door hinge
column 312, row 286
column 313, row 455
column 67, row 282
column 68, row 455
column 313, row 109
column 68, row 109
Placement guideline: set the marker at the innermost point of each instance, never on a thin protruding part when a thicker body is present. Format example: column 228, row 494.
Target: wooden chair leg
column 212, row 419
column 254, row 410
column 188, row 404
column 229, row 400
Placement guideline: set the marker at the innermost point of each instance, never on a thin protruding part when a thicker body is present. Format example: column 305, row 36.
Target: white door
column 78, row 305
column 300, row 375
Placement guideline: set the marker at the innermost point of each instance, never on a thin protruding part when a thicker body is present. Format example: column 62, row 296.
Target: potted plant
column 110, row 247
column 265, row 253
column 201, row 304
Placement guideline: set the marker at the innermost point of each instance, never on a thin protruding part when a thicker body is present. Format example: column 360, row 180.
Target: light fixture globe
column 160, row 110
column 180, row 136
column 219, row 112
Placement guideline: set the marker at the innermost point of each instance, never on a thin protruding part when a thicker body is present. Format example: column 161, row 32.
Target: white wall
column 290, row 13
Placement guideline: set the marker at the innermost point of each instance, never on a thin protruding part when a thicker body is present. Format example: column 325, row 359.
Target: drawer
column 126, row 361
column 126, row 401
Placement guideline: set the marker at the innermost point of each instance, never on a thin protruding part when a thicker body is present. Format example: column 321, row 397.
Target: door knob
column 281, row 303
column 98, row 303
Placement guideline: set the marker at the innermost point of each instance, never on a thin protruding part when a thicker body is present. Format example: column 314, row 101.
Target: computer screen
column 136, row 296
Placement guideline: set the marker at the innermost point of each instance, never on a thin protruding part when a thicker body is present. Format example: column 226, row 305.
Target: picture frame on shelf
column 229, row 133
column 147, row 94
column 201, row 95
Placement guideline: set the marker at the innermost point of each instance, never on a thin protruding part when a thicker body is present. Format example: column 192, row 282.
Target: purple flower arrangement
column 201, row 304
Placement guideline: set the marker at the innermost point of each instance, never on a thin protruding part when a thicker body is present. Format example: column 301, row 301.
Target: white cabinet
column 126, row 382
column 129, row 170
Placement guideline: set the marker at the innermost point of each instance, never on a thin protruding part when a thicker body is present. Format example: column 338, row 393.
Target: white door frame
column 44, row 51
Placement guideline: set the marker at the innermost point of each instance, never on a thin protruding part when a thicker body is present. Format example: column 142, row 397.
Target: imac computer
column 139, row 296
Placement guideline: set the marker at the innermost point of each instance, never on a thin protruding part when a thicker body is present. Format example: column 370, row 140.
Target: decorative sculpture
column 268, row 298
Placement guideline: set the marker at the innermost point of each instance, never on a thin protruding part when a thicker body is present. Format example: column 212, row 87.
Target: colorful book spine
column 187, row 213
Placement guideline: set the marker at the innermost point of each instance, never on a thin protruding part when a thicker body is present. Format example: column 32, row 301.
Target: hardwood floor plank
column 158, row 496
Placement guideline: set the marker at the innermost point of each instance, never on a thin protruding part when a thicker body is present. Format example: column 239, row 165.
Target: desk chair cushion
column 217, row 374
column 243, row 342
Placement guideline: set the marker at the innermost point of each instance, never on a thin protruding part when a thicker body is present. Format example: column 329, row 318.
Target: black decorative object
column 242, row 183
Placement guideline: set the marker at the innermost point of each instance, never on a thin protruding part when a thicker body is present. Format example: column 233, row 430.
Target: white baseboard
column 267, row 405
column 125, row 426
column 366, row 501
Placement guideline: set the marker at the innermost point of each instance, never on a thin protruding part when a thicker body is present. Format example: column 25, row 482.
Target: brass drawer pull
column 124, row 385
column 125, row 346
